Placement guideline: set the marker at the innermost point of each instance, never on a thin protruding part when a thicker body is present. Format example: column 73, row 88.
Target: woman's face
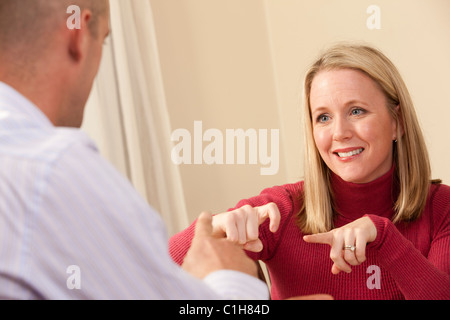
column 352, row 126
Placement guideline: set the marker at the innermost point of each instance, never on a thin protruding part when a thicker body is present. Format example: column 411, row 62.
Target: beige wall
column 240, row 64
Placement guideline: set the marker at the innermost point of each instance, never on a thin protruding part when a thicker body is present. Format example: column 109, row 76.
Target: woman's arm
column 240, row 226
column 417, row 276
column 282, row 196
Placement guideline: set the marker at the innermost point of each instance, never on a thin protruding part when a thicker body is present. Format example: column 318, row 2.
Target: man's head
column 51, row 64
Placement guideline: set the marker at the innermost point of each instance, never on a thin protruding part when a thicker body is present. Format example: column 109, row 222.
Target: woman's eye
column 357, row 112
column 323, row 118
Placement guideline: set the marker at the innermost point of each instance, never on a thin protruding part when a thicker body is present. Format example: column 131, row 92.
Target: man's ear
column 78, row 37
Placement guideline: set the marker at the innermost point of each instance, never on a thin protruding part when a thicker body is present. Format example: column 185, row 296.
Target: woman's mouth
column 348, row 152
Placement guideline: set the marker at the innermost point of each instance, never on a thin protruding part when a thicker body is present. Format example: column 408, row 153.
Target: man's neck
column 38, row 91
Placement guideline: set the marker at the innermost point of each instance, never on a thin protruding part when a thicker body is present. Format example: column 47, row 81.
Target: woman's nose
column 342, row 130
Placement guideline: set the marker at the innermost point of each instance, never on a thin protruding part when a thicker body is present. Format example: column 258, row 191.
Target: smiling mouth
column 350, row 153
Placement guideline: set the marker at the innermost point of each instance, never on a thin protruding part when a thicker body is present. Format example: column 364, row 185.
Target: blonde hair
column 410, row 154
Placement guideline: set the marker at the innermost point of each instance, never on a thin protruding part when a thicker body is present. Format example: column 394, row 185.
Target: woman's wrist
column 380, row 224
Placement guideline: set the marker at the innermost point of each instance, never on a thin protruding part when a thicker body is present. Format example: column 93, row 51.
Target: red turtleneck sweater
column 406, row 260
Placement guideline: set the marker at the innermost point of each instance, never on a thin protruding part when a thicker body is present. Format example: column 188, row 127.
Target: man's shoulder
column 64, row 140
column 44, row 146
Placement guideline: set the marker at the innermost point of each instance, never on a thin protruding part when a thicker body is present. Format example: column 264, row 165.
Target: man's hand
column 209, row 253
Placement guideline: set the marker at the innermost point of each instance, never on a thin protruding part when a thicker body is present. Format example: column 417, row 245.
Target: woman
column 367, row 222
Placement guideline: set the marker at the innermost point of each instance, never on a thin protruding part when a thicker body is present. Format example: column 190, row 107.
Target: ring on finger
column 351, row 248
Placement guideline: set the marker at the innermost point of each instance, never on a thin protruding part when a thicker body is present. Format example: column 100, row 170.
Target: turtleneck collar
column 353, row 200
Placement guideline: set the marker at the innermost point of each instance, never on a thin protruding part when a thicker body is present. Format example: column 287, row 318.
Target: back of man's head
column 27, row 26
column 47, row 59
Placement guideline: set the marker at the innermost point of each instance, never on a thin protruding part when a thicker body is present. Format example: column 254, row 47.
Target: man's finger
column 203, row 227
column 325, row 238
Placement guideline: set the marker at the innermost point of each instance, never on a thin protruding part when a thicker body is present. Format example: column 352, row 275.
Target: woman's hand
column 242, row 225
column 209, row 253
column 348, row 243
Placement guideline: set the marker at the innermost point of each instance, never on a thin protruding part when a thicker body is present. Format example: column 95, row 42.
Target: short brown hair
column 27, row 24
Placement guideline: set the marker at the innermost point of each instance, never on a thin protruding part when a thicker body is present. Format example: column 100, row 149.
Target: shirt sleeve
column 92, row 236
column 243, row 286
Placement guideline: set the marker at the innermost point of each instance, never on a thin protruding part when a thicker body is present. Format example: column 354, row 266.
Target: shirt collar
column 378, row 197
column 11, row 101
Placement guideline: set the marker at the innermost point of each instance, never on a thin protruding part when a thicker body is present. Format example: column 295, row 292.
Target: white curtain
column 127, row 113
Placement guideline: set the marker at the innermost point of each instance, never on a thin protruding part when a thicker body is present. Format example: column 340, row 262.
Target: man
column 71, row 227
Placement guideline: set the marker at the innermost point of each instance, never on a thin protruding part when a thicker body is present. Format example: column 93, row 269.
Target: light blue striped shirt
column 71, row 227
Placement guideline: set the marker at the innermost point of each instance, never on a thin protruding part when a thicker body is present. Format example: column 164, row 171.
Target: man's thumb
column 203, row 227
